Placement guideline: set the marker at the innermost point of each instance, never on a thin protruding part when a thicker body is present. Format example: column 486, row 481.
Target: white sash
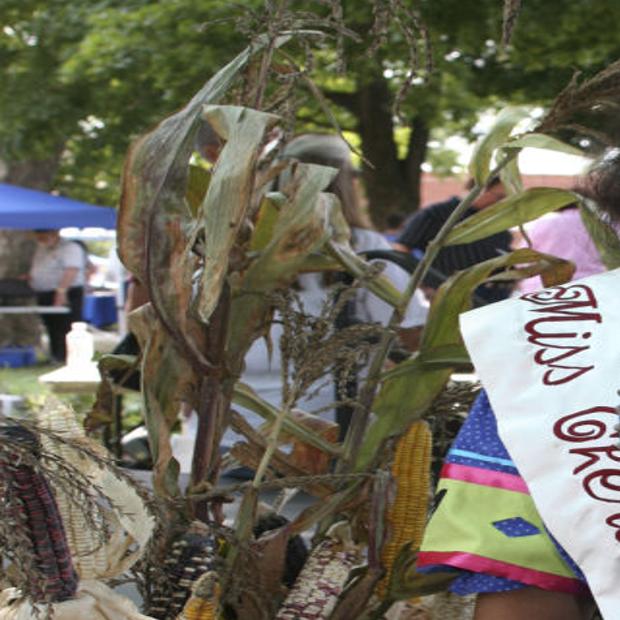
column 550, row 362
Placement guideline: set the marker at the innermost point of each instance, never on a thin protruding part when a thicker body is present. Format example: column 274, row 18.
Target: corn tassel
column 205, row 599
column 322, row 580
column 36, row 505
column 406, row 517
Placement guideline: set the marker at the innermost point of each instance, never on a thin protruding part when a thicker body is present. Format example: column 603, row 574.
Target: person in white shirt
column 57, row 275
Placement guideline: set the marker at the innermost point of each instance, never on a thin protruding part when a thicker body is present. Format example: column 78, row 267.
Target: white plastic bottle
column 80, row 345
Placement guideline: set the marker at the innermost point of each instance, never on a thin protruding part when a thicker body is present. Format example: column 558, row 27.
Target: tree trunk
column 385, row 184
column 17, row 247
column 416, row 155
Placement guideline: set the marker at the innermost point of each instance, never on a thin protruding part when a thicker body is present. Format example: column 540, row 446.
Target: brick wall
column 436, row 189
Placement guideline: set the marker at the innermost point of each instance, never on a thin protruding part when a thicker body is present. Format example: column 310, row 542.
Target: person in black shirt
column 424, row 225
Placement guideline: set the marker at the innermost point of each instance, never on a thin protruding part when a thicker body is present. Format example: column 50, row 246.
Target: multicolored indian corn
column 205, row 599
column 37, row 511
column 90, row 557
column 322, row 580
column 191, row 556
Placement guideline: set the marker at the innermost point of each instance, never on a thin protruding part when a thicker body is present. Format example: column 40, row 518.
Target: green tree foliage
column 81, row 78
column 471, row 72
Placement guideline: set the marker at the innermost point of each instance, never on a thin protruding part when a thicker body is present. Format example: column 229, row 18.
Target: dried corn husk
column 130, row 523
column 93, row 601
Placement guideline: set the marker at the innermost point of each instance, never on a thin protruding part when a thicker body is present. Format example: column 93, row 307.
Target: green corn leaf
column 511, row 211
column 413, row 385
column 380, row 285
column 480, row 164
column 440, row 357
column 603, row 235
column 510, row 176
column 197, row 186
column 406, row 582
column 542, row 141
column 268, row 214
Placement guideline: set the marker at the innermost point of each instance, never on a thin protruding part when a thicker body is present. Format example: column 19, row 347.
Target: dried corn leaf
column 300, row 229
column 230, row 192
column 166, row 377
column 160, row 158
column 155, row 223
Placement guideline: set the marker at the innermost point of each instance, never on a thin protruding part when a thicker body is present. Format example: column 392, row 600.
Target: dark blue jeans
column 59, row 325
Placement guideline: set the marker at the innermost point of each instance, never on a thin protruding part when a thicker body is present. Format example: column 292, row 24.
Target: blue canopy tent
column 28, row 209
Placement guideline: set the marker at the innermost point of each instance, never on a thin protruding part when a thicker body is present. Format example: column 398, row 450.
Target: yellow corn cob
column 204, row 601
column 323, row 577
column 406, row 517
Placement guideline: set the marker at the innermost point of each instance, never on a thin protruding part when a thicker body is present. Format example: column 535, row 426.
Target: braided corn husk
column 406, row 517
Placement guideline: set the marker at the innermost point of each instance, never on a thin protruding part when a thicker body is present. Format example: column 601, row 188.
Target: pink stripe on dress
column 479, row 564
column 484, row 477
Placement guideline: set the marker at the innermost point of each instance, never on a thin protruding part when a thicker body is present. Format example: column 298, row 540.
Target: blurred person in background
column 563, row 234
column 394, row 226
column 424, row 225
column 58, row 275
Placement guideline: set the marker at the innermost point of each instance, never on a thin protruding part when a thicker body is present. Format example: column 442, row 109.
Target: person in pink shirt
column 562, row 233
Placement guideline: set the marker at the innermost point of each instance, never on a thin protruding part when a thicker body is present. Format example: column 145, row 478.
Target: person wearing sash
column 485, row 526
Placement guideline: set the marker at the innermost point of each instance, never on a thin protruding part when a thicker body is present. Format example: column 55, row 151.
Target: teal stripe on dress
column 481, row 457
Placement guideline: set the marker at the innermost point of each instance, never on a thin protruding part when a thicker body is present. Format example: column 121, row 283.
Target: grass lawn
column 24, row 382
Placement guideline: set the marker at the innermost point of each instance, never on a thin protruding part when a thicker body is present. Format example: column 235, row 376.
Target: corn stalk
column 212, row 271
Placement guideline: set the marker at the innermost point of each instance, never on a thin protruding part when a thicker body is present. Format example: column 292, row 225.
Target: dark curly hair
column 602, row 184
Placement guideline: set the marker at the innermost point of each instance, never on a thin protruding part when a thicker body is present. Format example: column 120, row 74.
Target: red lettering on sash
column 600, row 470
column 570, row 428
column 560, row 332
column 614, row 521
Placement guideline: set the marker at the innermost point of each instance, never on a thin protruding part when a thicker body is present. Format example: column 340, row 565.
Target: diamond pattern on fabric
column 516, row 527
